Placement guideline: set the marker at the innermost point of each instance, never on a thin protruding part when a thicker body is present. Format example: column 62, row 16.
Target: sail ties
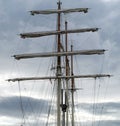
column 48, row 33
column 54, row 11
column 53, row 54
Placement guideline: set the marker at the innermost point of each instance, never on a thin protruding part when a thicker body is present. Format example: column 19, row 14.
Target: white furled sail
column 85, row 10
column 52, row 54
column 47, row 33
column 59, row 77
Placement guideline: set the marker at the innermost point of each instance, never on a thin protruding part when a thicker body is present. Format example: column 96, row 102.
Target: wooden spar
column 52, row 54
column 47, row 33
column 72, row 87
column 72, row 80
column 67, row 73
column 59, row 77
column 58, row 71
column 66, row 49
column 54, row 11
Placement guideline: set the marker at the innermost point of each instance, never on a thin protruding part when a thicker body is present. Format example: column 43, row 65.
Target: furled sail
column 59, row 77
column 52, row 54
column 54, row 11
column 47, row 33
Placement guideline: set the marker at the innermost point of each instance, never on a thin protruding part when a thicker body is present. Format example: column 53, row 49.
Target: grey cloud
column 15, row 18
column 110, row 108
column 109, row 123
column 104, row 123
column 12, row 106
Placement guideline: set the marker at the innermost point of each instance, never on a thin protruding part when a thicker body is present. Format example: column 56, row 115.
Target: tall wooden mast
column 59, row 68
column 67, row 71
column 72, row 87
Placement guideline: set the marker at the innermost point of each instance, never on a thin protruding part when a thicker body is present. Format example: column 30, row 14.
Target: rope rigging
column 21, row 104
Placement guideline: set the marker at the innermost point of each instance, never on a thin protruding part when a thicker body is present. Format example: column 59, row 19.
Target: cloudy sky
column 25, row 102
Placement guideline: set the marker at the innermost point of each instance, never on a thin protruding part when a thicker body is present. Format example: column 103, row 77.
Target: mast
column 58, row 67
column 72, row 87
column 67, row 71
